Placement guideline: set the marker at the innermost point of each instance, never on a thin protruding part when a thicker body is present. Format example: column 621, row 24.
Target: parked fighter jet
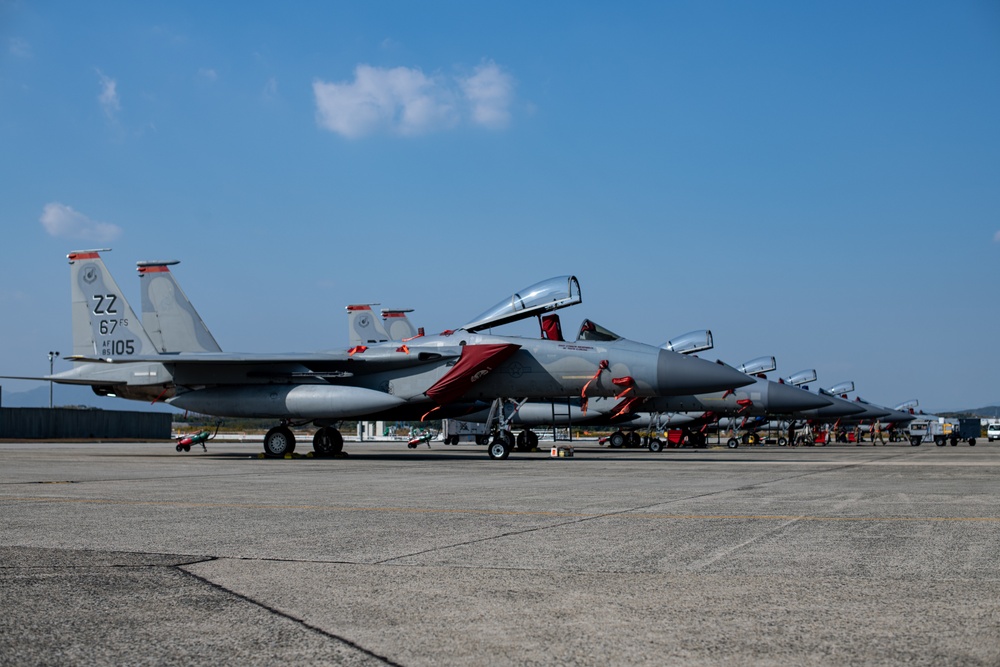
column 762, row 400
column 691, row 412
column 837, row 409
column 427, row 375
column 871, row 411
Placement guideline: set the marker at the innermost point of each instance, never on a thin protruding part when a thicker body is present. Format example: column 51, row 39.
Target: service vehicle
column 455, row 431
column 941, row 432
column 993, row 431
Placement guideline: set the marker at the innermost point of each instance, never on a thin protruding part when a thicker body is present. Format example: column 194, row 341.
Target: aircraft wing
column 357, row 361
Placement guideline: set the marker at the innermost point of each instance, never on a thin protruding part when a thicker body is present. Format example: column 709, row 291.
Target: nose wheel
column 501, row 445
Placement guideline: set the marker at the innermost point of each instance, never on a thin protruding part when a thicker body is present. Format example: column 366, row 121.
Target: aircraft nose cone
column 784, row 398
column 900, row 417
column 873, row 411
column 842, row 408
column 679, row 375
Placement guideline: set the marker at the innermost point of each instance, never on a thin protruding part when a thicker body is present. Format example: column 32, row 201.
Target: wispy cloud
column 18, row 48
column 490, row 91
column 270, row 89
column 996, row 237
column 108, row 96
column 208, row 74
column 407, row 102
column 63, row 222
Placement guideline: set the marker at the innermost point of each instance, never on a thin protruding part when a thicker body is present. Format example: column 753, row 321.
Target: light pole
column 52, row 356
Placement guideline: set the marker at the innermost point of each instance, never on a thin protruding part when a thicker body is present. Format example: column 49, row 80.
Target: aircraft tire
column 782, row 442
column 633, row 440
column 501, row 445
column 655, row 445
column 328, row 441
column 482, row 439
column 526, row 440
column 499, row 448
column 532, row 440
column 733, row 443
column 279, row 441
column 617, row 440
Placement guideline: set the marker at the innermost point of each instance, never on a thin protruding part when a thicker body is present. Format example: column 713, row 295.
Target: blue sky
column 815, row 181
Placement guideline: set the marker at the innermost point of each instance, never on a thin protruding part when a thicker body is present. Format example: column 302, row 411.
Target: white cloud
column 208, row 74
column 109, row 95
column 490, row 92
column 407, row 102
column 399, row 100
column 61, row 221
column 996, row 237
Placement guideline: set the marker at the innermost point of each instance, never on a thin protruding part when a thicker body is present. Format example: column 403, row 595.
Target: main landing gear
column 280, row 441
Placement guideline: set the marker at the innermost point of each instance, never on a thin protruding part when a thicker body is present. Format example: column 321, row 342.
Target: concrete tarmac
column 132, row 553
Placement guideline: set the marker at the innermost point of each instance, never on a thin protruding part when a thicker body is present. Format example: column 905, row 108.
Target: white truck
column 993, row 431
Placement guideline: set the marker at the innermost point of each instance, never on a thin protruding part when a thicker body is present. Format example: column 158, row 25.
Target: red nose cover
column 476, row 361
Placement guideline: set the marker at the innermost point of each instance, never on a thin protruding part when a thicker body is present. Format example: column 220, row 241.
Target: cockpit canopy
column 759, row 365
column 908, row 405
column 842, row 388
column 691, row 342
column 802, row 377
column 543, row 297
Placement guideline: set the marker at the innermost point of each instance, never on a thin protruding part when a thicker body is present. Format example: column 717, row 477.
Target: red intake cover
column 475, row 362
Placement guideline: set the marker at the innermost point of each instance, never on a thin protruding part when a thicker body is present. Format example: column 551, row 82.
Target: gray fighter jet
column 426, row 376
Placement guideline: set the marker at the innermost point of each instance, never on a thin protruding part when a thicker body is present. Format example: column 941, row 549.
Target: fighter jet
column 762, row 400
column 761, row 397
column 838, row 407
column 426, row 376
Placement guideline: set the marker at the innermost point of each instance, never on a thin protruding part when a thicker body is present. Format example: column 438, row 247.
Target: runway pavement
column 132, row 553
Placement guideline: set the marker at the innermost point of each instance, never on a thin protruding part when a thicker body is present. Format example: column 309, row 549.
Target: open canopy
column 548, row 295
column 802, row 377
column 691, row 342
column 759, row 365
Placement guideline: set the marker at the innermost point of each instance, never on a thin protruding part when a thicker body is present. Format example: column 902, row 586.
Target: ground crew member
column 877, row 433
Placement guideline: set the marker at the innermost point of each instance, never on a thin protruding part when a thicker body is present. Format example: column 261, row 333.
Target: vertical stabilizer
column 104, row 324
column 363, row 328
column 168, row 315
column 397, row 324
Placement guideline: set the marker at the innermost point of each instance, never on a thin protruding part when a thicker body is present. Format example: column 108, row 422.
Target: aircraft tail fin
column 168, row 315
column 104, row 324
column 363, row 328
column 397, row 324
